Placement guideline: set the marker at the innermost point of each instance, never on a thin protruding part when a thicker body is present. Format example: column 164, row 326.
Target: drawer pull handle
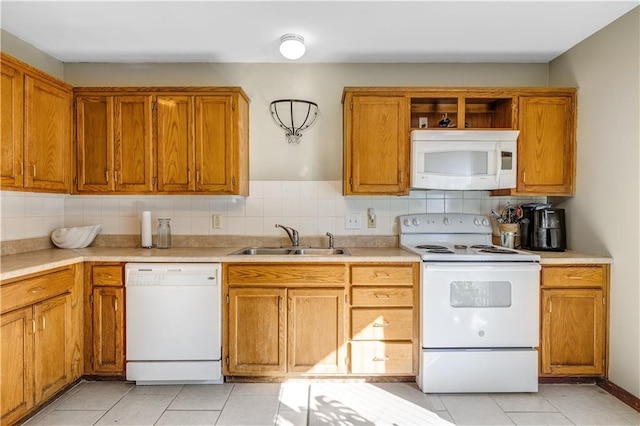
column 382, row 296
column 381, row 274
column 575, row 277
column 381, row 324
column 378, row 359
column 36, row 290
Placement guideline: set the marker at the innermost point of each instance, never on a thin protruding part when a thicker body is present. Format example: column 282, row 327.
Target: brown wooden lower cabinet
column 320, row 319
column 315, row 327
column 16, row 361
column 256, row 331
column 104, row 322
column 41, row 345
column 384, row 319
column 52, row 355
column 108, row 330
column 573, row 338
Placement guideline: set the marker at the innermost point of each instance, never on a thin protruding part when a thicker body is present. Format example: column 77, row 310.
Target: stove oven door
column 479, row 327
column 480, row 305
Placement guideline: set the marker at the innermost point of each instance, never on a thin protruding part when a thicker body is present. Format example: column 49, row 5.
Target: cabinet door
column 133, row 144
column 376, row 145
column 16, row 365
column 546, row 146
column 256, row 331
column 94, row 143
column 47, row 135
column 214, row 144
column 51, row 352
column 315, row 330
column 572, row 332
column 108, row 330
column 175, row 143
column 11, row 144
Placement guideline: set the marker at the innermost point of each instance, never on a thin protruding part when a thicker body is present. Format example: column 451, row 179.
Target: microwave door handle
column 498, row 161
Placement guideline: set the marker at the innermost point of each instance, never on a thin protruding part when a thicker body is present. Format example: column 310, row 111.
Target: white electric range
column 479, row 306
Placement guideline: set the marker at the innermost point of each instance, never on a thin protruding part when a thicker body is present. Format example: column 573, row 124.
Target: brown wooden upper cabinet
column 36, row 129
column 162, row 140
column 546, row 145
column 114, row 143
column 376, row 149
column 378, row 122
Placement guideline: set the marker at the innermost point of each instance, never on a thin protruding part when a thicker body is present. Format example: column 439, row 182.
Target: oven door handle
column 472, row 266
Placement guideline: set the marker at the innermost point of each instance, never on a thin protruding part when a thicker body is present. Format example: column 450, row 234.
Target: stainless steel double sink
column 291, row 251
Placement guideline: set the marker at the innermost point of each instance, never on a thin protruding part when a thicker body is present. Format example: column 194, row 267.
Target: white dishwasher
column 173, row 323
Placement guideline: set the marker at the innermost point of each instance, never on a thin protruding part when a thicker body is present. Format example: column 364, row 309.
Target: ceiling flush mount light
column 292, row 46
column 294, row 116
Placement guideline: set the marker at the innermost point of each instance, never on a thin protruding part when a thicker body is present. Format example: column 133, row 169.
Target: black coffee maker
column 542, row 227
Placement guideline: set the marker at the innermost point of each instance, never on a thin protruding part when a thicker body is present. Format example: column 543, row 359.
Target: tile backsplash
column 312, row 207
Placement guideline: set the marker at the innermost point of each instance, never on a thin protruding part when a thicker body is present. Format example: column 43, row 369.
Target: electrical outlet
column 353, row 221
column 216, row 221
column 371, row 217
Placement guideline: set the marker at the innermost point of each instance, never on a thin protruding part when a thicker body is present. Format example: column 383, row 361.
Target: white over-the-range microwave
column 463, row 159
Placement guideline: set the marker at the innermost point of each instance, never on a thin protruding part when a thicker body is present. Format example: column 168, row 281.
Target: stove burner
column 460, row 247
column 482, row 246
column 439, row 250
column 497, row 250
column 431, row 247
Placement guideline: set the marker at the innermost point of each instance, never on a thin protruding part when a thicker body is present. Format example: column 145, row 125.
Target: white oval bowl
column 75, row 237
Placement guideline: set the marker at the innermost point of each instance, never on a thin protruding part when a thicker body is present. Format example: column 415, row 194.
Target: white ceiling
column 344, row 31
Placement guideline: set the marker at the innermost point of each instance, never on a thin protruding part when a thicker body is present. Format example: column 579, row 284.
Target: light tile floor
column 327, row 403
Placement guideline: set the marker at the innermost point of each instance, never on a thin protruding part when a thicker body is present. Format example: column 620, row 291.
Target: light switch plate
column 353, row 221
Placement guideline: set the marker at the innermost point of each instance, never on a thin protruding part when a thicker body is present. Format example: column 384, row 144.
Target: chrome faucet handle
column 292, row 233
column 330, row 235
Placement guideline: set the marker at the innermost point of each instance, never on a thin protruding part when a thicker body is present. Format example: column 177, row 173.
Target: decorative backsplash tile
column 312, row 207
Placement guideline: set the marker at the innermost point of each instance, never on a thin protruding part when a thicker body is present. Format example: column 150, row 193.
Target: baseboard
column 615, row 390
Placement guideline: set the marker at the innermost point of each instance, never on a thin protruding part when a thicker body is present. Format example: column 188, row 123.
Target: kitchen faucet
column 292, row 233
column 330, row 235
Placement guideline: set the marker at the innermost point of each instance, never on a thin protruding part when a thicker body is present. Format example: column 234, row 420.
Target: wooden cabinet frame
column 36, row 129
column 170, row 140
column 573, row 320
column 378, row 122
column 104, row 327
column 42, row 345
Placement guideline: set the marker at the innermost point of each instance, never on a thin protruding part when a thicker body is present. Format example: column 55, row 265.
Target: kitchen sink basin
column 291, row 251
column 312, row 251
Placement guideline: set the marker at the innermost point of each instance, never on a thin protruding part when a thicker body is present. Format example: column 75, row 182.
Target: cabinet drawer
column 106, row 275
column 32, row 290
column 289, row 274
column 574, row 276
column 382, row 358
column 382, row 324
column 382, row 296
column 384, row 275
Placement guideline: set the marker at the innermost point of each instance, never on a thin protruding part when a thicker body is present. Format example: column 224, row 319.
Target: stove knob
column 485, row 222
column 407, row 222
column 476, row 221
column 416, row 222
column 446, row 221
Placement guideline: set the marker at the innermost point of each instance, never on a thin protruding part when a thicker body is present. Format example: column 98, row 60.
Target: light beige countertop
column 570, row 257
column 17, row 265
